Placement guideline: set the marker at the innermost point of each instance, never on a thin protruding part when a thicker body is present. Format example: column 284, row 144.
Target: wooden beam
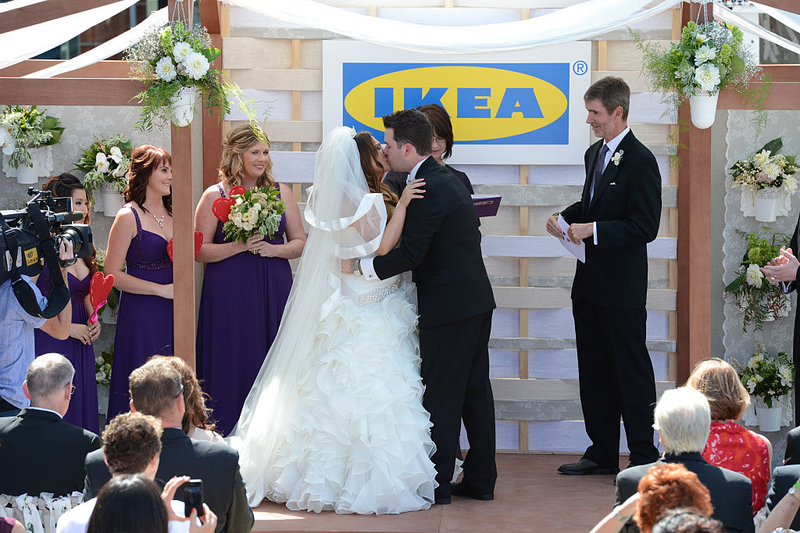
column 103, row 69
column 70, row 91
column 694, row 238
column 782, row 96
column 209, row 16
column 45, row 11
column 787, row 5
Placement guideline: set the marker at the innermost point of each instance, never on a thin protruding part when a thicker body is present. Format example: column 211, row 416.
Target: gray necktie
column 598, row 167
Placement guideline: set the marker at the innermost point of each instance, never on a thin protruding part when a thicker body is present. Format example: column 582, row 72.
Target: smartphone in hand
column 193, row 497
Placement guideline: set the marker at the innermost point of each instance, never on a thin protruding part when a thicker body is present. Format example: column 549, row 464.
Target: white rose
column 703, row 54
column 772, row 170
column 247, row 226
column 707, row 77
column 181, row 50
column 101, row 163
column 761, row 158
column 754, row 276
column 196, row 65
column 165, row 69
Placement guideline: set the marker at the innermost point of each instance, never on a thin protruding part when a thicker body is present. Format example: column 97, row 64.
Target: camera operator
column 17, row 338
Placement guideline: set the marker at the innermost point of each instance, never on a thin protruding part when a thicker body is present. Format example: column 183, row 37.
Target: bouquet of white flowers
column 768, row 377
column 106, row 161
column 254, row 211
column 23, row 128
column 766, row 169
column 102, row 367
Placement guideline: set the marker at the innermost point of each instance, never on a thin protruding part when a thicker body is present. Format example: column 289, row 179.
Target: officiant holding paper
column 618, row 214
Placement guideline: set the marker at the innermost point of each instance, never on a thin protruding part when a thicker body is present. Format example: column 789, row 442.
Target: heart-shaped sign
column 198, row 242
column 100, row 287
column 222, row 208
column 239, row 189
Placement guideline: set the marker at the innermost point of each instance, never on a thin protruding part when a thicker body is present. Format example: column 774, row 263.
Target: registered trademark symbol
column 580, row 68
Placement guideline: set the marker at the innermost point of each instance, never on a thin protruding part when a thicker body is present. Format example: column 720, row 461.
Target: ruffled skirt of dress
column 355, row 437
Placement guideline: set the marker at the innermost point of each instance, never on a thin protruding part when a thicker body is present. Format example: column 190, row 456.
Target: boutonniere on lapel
column 617, row 157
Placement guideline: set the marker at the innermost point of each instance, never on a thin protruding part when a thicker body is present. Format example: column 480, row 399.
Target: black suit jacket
column 731, row 492
column 396, row 181
column 39, row 452
column 441, row 245
column 783, row 477
column 627, row 208
column 215, row 463
column 792, row 455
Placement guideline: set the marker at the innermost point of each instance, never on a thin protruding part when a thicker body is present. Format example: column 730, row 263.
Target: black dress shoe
column 585, row 467
column 441, row 495
column 460, row 489
column 441, row 500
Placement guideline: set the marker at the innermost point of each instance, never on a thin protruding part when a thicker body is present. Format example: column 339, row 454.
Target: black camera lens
column 80, row 235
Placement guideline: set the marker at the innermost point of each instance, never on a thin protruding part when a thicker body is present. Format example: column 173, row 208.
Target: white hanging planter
column 767, row 202
column 182, row 106
column 102, row 398
column 112, row 200
column 97, row 201
column 42, row 166
column 769, row 418
column 27, row 175
column 704, row 109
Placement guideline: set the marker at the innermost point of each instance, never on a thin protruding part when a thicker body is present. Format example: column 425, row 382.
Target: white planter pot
column 97, row 201
column 769, row 418
column 704, row 109
column 182, row 106
column 27, row 175
column 766, row 203
column 102, row 398
column 112, row 200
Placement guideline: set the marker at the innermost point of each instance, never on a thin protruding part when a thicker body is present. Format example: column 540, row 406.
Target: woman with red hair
column 138, row 238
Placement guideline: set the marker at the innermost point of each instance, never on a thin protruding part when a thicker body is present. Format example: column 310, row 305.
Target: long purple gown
column 240, row 310
column 83, row 405
column 144, row 322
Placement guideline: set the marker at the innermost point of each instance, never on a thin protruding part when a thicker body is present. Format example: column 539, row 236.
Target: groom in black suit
column 617, row 216
column 441, row 246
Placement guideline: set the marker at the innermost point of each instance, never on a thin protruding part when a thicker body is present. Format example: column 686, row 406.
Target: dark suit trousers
column 455, row 371
column 616, row 379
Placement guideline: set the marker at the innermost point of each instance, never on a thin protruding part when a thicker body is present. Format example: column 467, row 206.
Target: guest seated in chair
column 131, row 445
column 683, row 419
column 156, row 390
column 686, row 521
column 731, row 445
column 38, row 450
column 783, row 499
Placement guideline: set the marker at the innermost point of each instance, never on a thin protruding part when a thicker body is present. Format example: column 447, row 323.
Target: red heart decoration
column 100, row 287
column 222, row 208
column 198, row 242
column 239, row 189
column 169, row 250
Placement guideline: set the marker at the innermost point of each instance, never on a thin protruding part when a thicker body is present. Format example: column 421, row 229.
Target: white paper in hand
column 577, row 249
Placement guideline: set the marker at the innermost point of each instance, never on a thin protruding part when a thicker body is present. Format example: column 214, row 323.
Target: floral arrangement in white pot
column 105, row 164
column 768, row 180
column 24, row 131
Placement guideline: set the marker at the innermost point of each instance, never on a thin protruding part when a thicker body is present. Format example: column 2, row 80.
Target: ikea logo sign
column 488, row 103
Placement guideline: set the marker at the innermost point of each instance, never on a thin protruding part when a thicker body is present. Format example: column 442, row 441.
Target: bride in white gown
column 335, row 420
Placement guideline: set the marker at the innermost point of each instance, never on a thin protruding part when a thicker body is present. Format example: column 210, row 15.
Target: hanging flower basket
column 106, row 164
column 182, row 106
column 703, row 107
column 25, row 137
column 767, row 202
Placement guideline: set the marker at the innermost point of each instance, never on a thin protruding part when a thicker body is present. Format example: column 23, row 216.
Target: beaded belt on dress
column 378, row 294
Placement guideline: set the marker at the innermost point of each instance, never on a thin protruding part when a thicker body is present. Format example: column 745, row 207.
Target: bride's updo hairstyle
column 231, row 167
column 145, row 160
column 369, row 154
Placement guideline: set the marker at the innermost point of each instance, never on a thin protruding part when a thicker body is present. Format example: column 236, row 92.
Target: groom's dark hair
column 612, row 93
column 413, row 127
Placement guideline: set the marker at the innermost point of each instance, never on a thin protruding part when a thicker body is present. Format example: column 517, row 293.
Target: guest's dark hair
column 154, row 388
column 669, row 486
column 129, row 503
column 612, row 93
column 368, row 154
column 686, row 521
column 197, row 414
column 62, row 186
column 442, row 127
column 130, row 441
column 144, row 161
column 412, row 127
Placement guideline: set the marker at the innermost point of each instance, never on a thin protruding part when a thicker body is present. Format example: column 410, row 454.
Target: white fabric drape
column 24, row 43
column 107, row 49
column 726, row 15
column 573, row 23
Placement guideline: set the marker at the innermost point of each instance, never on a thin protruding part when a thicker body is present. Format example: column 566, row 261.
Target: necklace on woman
column 159, row 220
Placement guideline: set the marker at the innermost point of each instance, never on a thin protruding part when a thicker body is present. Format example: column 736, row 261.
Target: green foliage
column 768, row 377
column 256, row 211
column 111, row 167
column 102, row 366
column 24, row 128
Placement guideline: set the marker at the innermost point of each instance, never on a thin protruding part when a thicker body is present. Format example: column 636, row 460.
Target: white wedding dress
column 335, row 418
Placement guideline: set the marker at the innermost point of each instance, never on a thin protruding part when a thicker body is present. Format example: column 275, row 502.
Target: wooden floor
column 531, row 496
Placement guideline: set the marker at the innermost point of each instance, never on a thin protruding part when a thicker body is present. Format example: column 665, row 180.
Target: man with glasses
column 39, row 452
column 157, row 390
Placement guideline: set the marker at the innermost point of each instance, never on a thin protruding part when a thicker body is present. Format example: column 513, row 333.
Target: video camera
column 36, row 232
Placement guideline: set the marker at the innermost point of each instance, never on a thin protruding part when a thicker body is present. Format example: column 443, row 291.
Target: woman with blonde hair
column 246, row 285
column 731, row 445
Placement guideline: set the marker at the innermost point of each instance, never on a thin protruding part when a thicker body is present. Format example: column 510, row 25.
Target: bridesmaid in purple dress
column 139, row 238
column 246, row 285
column 78, row 347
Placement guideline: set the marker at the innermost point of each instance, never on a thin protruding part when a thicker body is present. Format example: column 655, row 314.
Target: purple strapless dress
column 83, row 406
column 240, row 309
column 144, row 322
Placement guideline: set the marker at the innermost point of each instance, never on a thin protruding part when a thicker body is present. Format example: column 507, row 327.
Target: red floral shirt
column 732, row 446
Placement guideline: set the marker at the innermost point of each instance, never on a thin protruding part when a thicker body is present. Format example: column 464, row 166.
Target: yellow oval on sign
column 483, row 102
